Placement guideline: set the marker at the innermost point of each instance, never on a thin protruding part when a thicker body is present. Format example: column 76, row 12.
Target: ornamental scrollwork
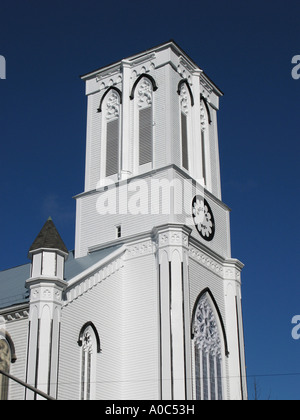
column 87, row 342
column 113, row 106
column 184, row 99
column 202, row 116
column 144, row 93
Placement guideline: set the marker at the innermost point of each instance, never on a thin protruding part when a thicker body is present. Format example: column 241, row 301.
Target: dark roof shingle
column 49, row 238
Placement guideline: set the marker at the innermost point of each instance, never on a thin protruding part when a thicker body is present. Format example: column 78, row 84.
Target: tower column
column 126, row 164
column 46, row 284
column 44, row 318
column 175, row 364
column 235, row 336
column 197, row 162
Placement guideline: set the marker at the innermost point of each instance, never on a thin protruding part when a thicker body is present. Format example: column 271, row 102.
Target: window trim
column 6, row 336
column 80, row 337
column 106, row 93
column 137, row 167
column 147, row 76
column 88, row 362
column 216, row 307
column 185, row 82
column 208, row 362
column 185, row 109
column 103, row 148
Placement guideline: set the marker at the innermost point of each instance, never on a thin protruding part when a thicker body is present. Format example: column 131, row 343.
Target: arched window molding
column 143, row 76
column 185, row 103
column 7, row 357
column 186, row 83
column 110, row 109
column 106, row 93
column 209, row 347
column 90, row 345
column 142, row 93
column 204, row 100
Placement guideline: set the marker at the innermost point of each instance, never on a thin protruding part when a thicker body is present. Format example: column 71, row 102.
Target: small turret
column 46, row 283
column 48, row 253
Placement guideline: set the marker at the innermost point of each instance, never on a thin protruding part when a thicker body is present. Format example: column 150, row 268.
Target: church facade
column 148, row 305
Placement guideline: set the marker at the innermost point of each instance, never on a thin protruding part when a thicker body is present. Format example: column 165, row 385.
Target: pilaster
column 126, row 164
column 44, row 331
column 233, row 313
column 172, row 254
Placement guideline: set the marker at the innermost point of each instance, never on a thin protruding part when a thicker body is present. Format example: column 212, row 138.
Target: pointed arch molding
column 207, row 290
column 144, row 75
column 185, row 82
column 106, row 93
column 6, row 336
column 202, row 98
column 80, row 338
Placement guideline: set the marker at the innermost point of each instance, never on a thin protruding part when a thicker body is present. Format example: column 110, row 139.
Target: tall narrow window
column 185, row 105
column 184, row 139
column 5, row 360
column 145, row 135
column 204, row 119
column 112, row 133
column 90, row 346
column 112, row 148
column 144, row 117
column 203, row 156
column 207, row 352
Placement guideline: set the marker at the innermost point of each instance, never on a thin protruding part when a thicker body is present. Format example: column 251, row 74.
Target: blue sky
column 247, row 49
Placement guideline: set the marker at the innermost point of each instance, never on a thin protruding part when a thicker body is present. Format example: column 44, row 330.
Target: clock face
column 203, row 218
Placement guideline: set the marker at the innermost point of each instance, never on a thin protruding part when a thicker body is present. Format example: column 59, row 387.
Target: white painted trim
column 89, row 271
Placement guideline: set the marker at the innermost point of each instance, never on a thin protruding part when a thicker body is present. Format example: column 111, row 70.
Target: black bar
column 31, row 388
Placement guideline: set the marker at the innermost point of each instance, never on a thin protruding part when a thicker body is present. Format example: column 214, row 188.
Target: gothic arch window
column 7, row 356
column 110, row 108
column 208, row 347
column 142, row 94
column 90, row 345
column 186, row 102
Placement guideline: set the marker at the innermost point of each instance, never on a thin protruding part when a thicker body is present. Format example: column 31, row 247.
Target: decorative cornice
column 95, row 275
column 207, row 261
column 15, row 313
column 139, row 249
column 226, row 268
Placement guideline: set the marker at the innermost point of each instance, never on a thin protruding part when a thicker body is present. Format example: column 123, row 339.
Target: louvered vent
column 184, row 139
column 112, row 148
column 146, row 135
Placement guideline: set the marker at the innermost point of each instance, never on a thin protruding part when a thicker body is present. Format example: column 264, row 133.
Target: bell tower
column 152, row 171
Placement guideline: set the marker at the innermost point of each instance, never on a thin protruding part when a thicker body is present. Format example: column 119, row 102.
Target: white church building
column 148, row 305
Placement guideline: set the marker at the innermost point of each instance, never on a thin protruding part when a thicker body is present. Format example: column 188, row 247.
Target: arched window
column 110, row 107
column 142, row 93
column 186, row 102
column 90, row 346
column 208, row 345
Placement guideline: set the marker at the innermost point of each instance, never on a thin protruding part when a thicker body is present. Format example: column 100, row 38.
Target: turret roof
column 49, row 238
